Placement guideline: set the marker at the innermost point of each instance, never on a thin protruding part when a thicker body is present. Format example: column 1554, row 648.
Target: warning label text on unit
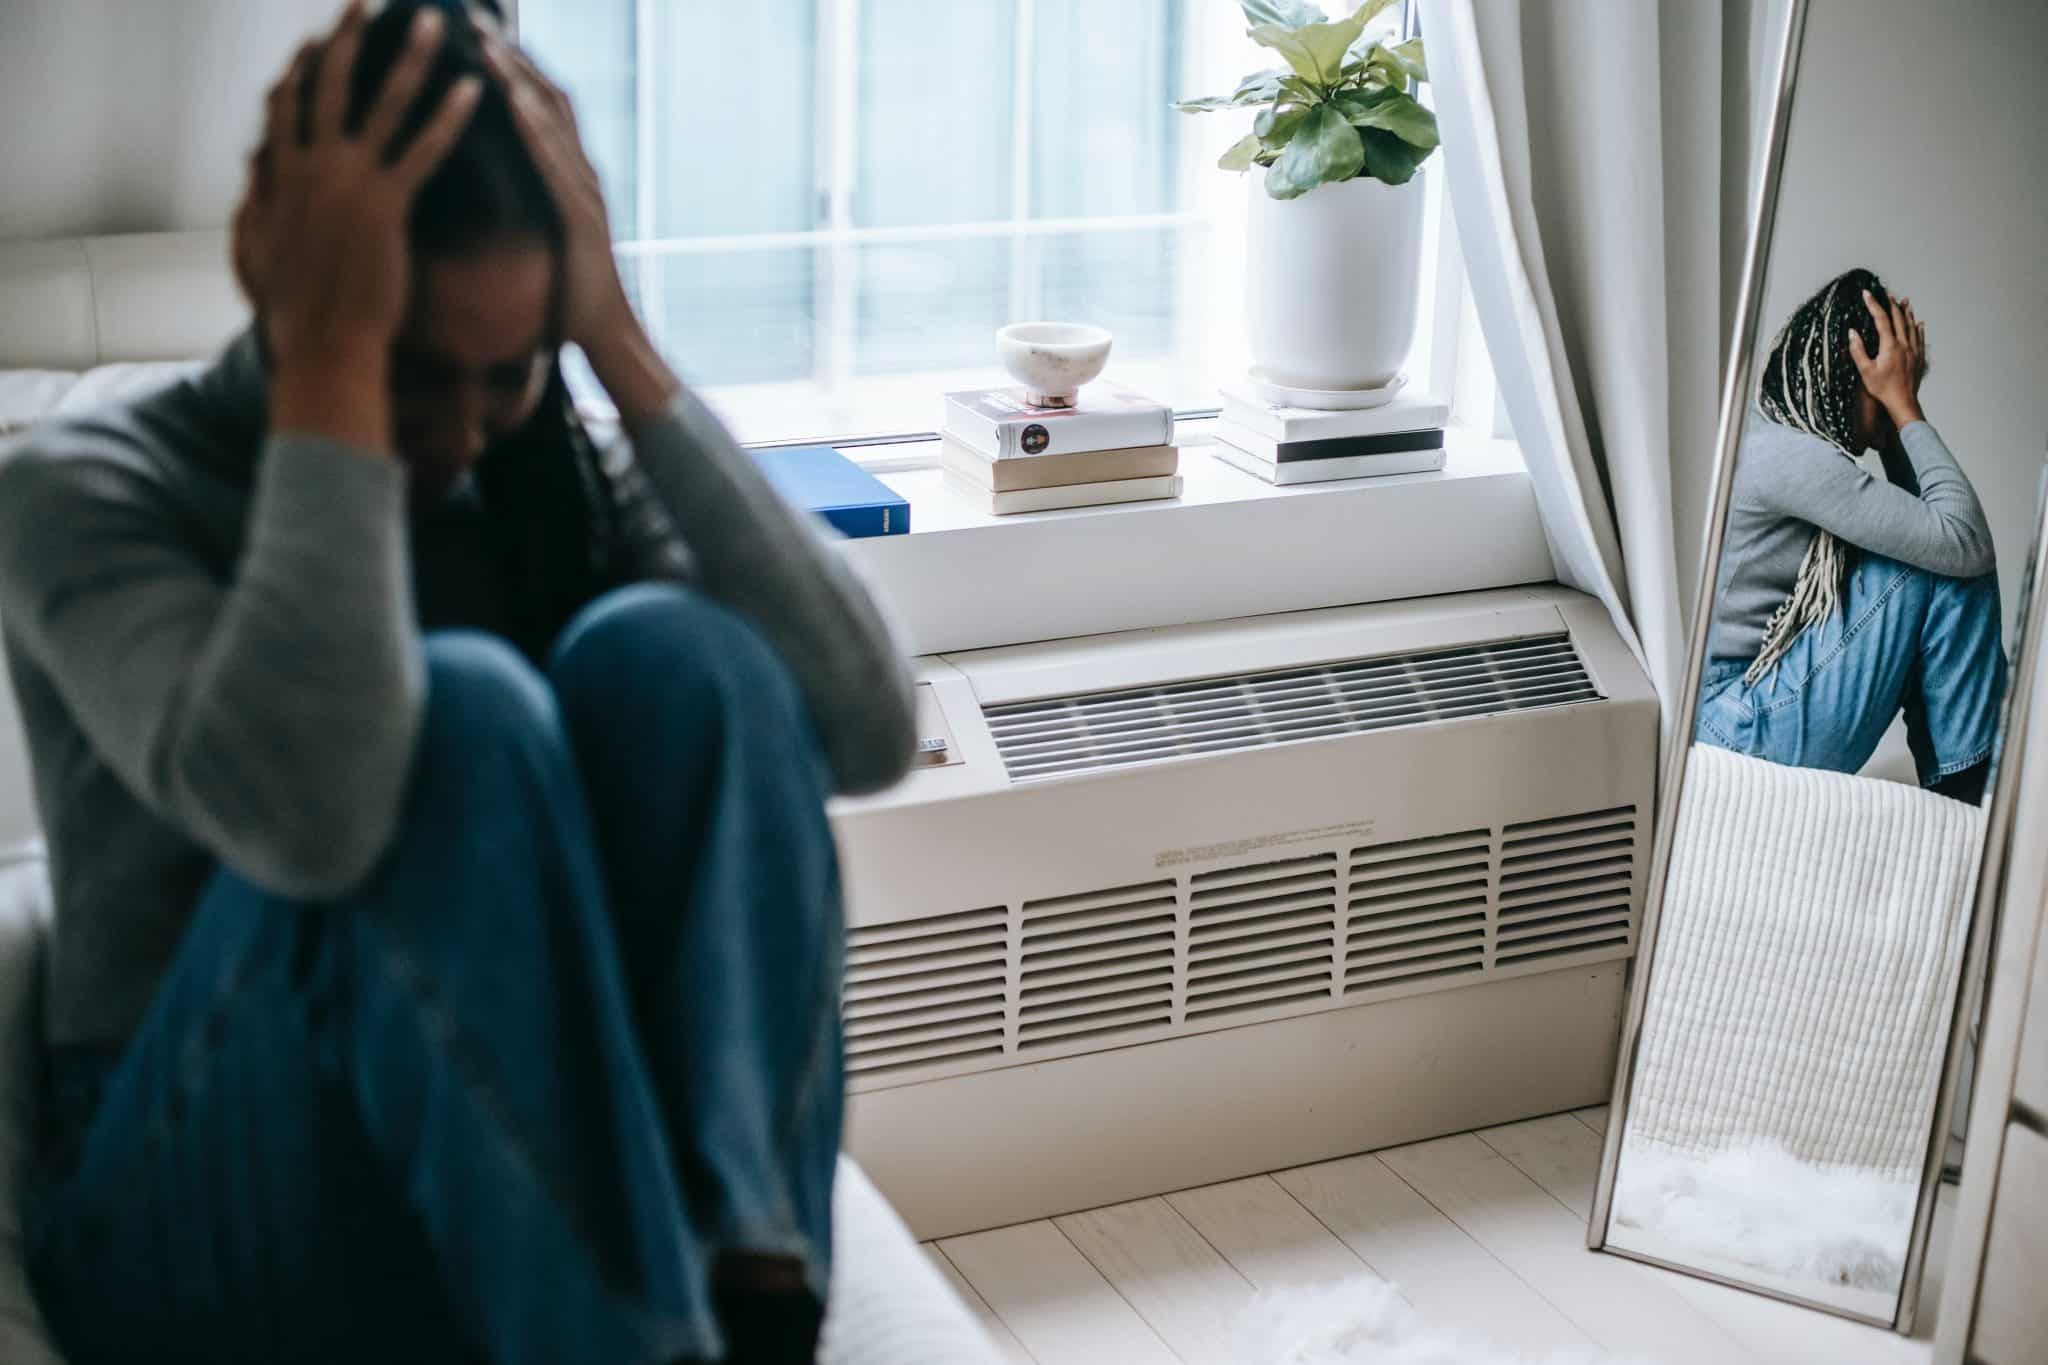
column 1202, row 853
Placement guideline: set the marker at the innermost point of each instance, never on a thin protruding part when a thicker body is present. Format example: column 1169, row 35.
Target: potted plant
column 1336, row 232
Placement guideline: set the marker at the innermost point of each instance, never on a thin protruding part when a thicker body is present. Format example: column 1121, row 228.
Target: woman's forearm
column 270, row 717
column 770, row 562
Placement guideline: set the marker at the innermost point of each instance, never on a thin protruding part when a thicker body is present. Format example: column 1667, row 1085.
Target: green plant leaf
column 1276, row 127
column 1383, row 66
column 1285, row 13
column 1325, row 150
column 1393, row 111
column 1315, row 51
column 1365, row 14
column 1241, row 154
column 1387, row 157
column 1300, row 91
column 1261, row 87
column 1411, row 58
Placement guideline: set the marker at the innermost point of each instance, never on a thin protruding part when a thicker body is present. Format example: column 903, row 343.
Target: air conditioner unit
column 1176, row 906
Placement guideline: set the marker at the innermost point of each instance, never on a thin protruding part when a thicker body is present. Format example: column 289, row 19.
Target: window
column 825, row 208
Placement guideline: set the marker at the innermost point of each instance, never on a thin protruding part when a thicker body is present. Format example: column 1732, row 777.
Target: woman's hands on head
column 1893, row 375
column 597, row 315
column 320, row 236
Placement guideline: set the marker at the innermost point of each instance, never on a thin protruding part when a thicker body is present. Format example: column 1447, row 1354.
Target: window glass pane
column 935, row 86
column 735, row 123
column 1127, row 281
column 930, row 305
column 1104, row 133
column 587, row 48
column 733, row 317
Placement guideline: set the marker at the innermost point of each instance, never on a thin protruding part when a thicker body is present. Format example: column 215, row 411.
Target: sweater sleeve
column 1941, row 530
column 772, row 564
column 271, row 717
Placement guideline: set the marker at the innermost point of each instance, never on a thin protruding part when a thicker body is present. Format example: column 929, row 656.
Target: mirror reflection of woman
column 1845, row 599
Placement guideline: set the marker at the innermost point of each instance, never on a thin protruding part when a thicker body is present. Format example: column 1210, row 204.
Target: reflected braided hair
column 1810, row 383
column 552, row 511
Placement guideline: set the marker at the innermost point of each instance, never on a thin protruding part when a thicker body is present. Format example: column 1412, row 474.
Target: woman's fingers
column 284, row 127
column 533, row 115
column 518, row 69
column 402, row 86
column 337, row 66
column 1885, row 338
column 431, row 145
column 1858, row 354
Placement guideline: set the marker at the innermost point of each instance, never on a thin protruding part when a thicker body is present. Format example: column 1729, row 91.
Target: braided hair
column 1810, row 383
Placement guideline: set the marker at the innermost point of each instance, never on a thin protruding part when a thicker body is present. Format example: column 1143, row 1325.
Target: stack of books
column 1306, row 445
column 1003, row 454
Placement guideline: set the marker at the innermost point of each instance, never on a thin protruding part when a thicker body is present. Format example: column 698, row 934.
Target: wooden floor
column 1482, row 1232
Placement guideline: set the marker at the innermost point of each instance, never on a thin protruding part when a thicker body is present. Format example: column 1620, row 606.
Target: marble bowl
column 1052, row 360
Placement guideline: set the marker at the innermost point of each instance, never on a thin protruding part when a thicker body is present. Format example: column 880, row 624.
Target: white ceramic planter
column 1330, row 286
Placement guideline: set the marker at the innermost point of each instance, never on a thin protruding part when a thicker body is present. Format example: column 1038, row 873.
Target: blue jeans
column 1904, row 640
column 577, row 1037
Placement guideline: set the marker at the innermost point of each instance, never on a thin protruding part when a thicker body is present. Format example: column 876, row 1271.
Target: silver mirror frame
column 1998, row 815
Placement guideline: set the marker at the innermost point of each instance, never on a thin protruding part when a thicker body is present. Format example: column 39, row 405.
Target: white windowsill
column 1231, row 545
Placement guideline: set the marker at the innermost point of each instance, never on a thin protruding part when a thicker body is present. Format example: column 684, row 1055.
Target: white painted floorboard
column 1483, row 1233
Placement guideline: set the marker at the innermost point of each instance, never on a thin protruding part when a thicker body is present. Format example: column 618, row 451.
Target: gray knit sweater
column 1787, row 483
column 214, row 638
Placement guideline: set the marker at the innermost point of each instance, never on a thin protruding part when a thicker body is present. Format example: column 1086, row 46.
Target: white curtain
column 1598, row 164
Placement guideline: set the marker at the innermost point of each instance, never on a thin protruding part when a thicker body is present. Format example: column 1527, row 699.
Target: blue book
column 820, row 478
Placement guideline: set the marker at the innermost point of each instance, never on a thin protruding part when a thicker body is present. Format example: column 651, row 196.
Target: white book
column 1336, row 447
column 1067, row 495
column 1003, row 426
column 1321, row 471
column 1277, row 423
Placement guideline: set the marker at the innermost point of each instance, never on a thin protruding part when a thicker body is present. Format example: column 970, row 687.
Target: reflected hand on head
column 320, row 238
column 1893, row 375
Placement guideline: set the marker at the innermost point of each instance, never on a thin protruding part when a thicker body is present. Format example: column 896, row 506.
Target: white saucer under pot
column 1325, row 400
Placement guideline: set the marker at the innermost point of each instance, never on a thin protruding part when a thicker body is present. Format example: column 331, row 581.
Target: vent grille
column 1418, row 910
column 1326, row 928
column 1091, row 731
column 1567, row 885
column 1099, row 963
column 1260, row 936
column 927, row 991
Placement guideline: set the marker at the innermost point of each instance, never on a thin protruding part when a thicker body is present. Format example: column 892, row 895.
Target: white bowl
column 1052, row 360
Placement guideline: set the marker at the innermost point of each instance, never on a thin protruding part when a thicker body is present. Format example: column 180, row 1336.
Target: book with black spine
column 1340, row 448
column 1275, row 422
column 1323, row 471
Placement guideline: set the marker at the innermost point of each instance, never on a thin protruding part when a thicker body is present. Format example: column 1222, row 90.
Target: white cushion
column 890, row 1305
column 104, row 384
column 74, row 303
column 28, row 396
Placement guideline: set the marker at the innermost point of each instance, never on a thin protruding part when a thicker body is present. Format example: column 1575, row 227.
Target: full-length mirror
column 1780, row 1120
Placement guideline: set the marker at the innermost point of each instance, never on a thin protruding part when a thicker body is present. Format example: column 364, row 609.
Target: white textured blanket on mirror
column 1806, row 964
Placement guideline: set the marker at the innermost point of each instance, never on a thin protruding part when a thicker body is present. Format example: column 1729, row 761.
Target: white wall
column 134, row 115
column 1919, row 148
